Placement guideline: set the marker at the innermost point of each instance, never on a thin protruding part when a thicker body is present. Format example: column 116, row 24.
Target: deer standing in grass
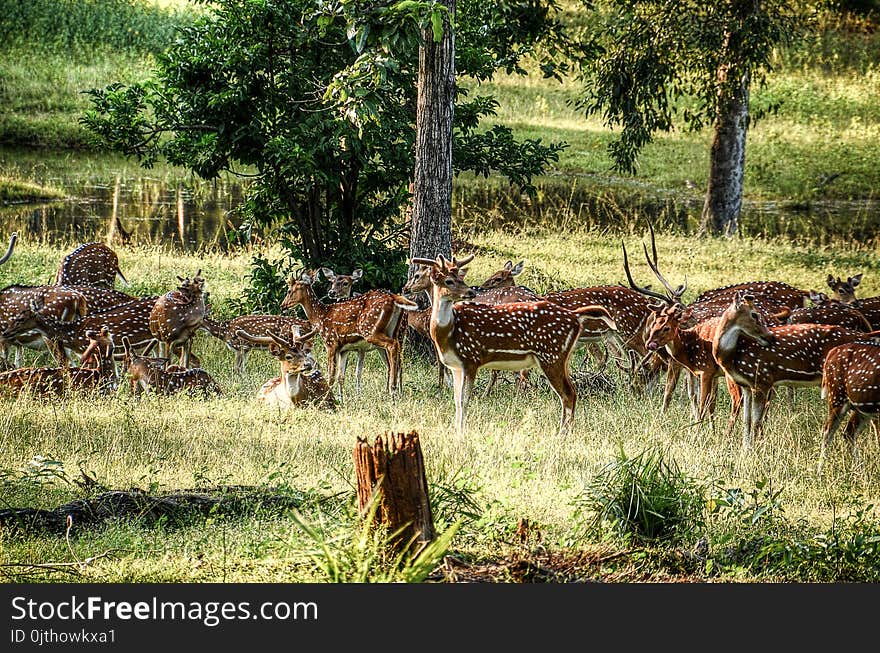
column 850, row 386
column 469, row 336
column 97, row 372
column 177, row 315
column 300, row 382
column 374, row 319
column 90, row 264
column 758, row 358
column 146, row 373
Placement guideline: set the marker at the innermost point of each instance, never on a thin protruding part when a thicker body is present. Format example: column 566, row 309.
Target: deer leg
column 359, row 368
column 837, row 410
column 746, row 417
column 673, row 372
column 462, row 383
column 707, row 395
column 760, row 403
column 856, row 424
column 493, row 377
column 561, row 383
column 240, row 358
column 736, row 403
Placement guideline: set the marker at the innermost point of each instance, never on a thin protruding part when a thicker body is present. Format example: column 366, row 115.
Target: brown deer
column 300, row 382
column 99, row 375
column 90, row 264
column 374, row 319
column 844, row 291
column 469, row 336
column 770, row 297
column 341, row 285
column 504, row 276
column 758, row 358
column 259, row 325
column 827, row 311
column 55, row 302
column 147, row 373
column 177, row 315
column 850, row 386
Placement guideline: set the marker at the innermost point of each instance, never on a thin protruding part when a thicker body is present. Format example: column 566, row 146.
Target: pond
column 110, row 195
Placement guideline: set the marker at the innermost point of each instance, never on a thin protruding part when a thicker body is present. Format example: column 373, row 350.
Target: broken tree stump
column 393, row 469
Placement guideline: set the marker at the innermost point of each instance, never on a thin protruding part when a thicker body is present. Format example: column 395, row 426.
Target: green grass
column 14, row 190
column 510, row 466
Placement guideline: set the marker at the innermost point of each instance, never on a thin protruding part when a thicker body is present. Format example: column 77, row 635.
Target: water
column 110, row 195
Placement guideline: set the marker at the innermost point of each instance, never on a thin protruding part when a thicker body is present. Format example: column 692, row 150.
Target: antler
column 677, row 293
column 645, row 291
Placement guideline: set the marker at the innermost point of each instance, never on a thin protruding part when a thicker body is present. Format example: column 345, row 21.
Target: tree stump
column 394, row 470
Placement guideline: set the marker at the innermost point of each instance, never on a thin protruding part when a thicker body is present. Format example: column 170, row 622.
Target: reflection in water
column 113, row 200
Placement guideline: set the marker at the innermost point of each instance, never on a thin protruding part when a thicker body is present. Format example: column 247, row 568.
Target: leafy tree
column 315, row 103
column 665, row 62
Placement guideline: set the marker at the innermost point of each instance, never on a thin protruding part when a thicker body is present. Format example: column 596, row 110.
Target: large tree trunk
column 727, row 161
column 431, row 232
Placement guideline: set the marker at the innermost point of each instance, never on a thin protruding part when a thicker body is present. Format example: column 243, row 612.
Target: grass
column 511, row 466
column 17, row 191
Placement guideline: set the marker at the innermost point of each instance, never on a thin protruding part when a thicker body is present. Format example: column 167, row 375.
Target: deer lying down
column 147, row 373
column 300, row 382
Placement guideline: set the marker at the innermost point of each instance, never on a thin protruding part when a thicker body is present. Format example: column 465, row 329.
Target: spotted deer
column 99, row 375
column 131, row 320
column 470, row 336
column 826, row 311
column 341, row 285
column 758, row 358
column 90, row 264
column 146, row 373
column 259, row 325
column 770, row 297
column 845, row 292
column 300, row 382
column 374, row 319
column 504, row 276
column 55, row 302
column 850, row 386
column 177, row 315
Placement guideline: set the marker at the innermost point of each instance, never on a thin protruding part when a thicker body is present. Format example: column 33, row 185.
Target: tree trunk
column 431, row 232
column 394, row 468
column 727, row 161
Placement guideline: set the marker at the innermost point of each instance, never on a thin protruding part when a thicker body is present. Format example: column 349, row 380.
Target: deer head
column 844, row 291
column 447, row 277
column 341, row 284
column 504, row 276
column 742, row 316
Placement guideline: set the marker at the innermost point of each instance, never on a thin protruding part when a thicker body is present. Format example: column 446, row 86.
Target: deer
column 90, row 264
column 827, row 311
column 300, row 382
column 469, row 336
column 341, row 287
column 770, row 297
column 374, row 319
column 845, row 292
column 177, row 315
column 257, row 325
column 504, row 276
column 758, row 358
column 56, row 302
column 850, row 386
column 146, row 373
column 99, row 375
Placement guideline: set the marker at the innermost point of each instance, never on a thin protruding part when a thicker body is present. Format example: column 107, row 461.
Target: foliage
column 660, row 62
column 80, row 26
column 643, row 497
column 315, row 103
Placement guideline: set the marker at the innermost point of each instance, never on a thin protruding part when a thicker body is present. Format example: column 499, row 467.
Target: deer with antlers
column 177, row 315
column 90, row 264
column 147, row 373
column 97, row 372
column 300, row 382
column 372, row 320
column 470, row 336
column 850, row 386
column 758, row 358
column 258, row 325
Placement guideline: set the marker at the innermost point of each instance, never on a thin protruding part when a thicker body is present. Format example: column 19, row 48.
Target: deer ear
column 508, row 266
column 275, row 349
column 357, row 274
column 517, row 269
column 854, row 281
column 328, row 273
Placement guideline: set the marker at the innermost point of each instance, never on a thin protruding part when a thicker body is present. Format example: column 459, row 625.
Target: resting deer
column 850, row 386
column 374, row 319
column 90, row 264
column 845, row 292
column 826, row 311
column 300, row 382
column 100, row 374
column 177, row 315
column 147, row 373
column 469, row 336
column 257, row 325
column 758, row 358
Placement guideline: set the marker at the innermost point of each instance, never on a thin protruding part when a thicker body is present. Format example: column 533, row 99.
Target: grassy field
column 510, row 467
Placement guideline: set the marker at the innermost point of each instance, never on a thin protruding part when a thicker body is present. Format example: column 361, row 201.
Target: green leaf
column 437, row 25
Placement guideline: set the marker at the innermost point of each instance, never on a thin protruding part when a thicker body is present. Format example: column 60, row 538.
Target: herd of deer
column 756, row 335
